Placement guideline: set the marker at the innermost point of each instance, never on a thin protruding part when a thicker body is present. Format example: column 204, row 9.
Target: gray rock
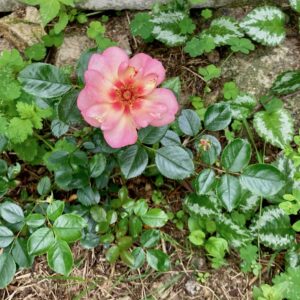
column 8, row 5
column 71, row 49
column 22, row 28
column 5, row 45
column 256, row 72
column 192, row 287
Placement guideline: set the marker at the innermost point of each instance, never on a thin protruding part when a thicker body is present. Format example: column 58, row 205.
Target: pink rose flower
column 121, row 95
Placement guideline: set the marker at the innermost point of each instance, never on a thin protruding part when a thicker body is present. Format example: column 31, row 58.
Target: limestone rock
column 5, row 45
column 22, row 28
column 256, row 72
column 8, row 5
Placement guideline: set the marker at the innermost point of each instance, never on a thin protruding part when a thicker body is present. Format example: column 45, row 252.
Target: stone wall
column 9, row 5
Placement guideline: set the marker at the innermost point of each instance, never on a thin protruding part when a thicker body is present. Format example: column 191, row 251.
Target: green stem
column 44, row 141
column 258, row 156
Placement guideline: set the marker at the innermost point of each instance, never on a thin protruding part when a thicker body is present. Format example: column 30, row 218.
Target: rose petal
column 157, row 109
column 107, row 63
column 146, row 65
column 104, row 115
column 123, row 134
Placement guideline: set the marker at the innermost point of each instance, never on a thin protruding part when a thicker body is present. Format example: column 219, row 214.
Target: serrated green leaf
column 133, row 161
column 277, row 127
column 229, row 191
column 60, row 258
column 189, row 122
column 6, row 237
column 236, row 155
column 217, row 117
column 151, row 135
column 142, row 26
column 11, row 212
column 44, row 80
column 155, row 217
column 174, row 162
column 204, row 181
column 7, row 269
column 265, row 25
column 158, row 260
column 40, row 241
column 262, row 180
column 69, row 227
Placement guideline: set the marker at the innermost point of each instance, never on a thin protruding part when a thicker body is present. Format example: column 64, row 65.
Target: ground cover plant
column 93, row 130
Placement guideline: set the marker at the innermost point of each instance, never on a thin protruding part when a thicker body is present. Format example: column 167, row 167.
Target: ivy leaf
column 277, row 127
column 142, row 26
column 286, row 83
column 198, row 46
column 241, row 45
column 60, row 258
column 273, row 228
column 265, row 25
column 262, row 180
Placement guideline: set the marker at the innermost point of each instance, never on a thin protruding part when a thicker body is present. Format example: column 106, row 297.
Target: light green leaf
column 155, row 217
column 69, row 227
column 40, row 241
column 158, row 260
column 265, row 25
column 277, row 127
column 49, row 10
column 60, row 258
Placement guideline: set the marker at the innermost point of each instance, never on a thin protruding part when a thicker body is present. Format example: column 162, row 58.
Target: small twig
column 194, row 73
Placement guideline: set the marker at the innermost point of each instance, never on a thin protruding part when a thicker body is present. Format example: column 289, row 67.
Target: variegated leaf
column 277, row 127
column 242, row 106
column 164, row 29
column 249, row 202
column 222, row 30
column 295, row 4
column 265, row 25
column 273, row 228
column 232, row 232
column 287, row 83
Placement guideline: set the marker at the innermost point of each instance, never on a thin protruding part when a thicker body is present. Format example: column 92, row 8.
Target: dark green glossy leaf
column 158, row 260
column 155, row 217
column 236, row 155
column 217, row 117
column 151, row 135
column 174, row 162
column 44, row 80
column 204, row 181
column 6, row 236
column 44, row 186
column 133, row 161
column 40, row 241
column 11, row 212
column 7, row 269
column 189, row 122
column 150, row 238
